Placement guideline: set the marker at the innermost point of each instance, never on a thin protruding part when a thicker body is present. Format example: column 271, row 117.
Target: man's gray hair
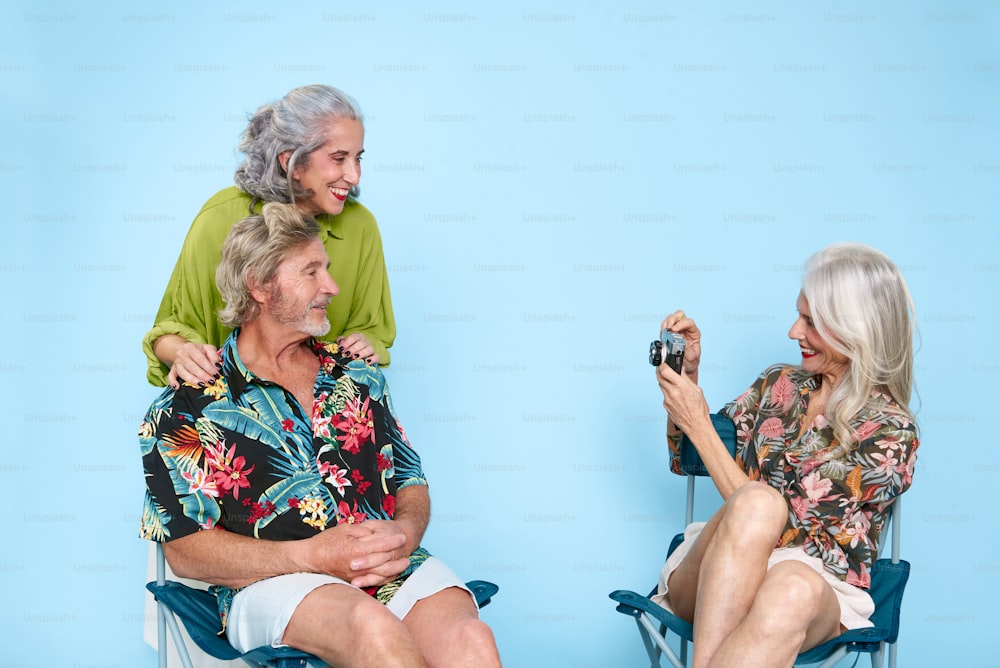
column 297, row 123
column 252, row 252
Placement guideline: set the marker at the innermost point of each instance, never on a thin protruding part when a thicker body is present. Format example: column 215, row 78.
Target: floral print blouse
column 837, row 506
column 244, row 455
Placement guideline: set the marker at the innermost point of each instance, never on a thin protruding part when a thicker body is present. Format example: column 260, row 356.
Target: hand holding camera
column 669, row 348
column 679, row 347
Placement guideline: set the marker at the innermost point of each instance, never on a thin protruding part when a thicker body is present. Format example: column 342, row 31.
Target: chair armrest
column 633, row 604
column 483, row 591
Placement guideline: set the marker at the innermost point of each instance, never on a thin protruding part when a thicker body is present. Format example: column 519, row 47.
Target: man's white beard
column 282, row 312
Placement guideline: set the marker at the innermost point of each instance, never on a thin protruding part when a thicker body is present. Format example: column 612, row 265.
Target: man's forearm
column 224, row 558
column 232, row 560
column 413, row 513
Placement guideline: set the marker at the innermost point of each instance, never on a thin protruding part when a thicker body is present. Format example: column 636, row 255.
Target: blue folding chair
column 198, row 612
column 888, row 578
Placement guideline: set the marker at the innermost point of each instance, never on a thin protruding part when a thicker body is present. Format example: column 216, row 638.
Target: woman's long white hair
column 862, row 308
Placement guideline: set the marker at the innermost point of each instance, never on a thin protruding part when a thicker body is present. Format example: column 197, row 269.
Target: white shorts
column 856, row 606
column 260, row 612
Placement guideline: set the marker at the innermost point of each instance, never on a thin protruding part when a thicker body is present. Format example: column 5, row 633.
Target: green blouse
column 191, row 302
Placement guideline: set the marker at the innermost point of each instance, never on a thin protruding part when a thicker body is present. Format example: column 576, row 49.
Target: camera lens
column 654, row 353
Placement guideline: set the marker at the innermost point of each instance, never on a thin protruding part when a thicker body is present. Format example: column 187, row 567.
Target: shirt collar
column 332, row 226
column 329, row 226
column 238, row 376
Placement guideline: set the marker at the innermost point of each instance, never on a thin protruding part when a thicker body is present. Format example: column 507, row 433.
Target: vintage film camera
column 669, row 349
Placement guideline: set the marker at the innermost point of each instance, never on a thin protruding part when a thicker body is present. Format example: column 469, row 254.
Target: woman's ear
column 283, row 158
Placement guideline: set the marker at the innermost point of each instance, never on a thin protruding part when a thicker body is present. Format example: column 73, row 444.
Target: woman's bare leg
column 795, row 610
column 733, row 565
column 682, row 585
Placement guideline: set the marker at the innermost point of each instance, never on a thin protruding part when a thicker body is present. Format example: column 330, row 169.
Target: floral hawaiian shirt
column 242, row 454
column 838, row 506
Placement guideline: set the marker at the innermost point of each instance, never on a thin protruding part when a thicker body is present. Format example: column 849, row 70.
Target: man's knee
column 334, row 620
column 476, row 635
column 470, row 643
column 371, row 618
column 448, row 627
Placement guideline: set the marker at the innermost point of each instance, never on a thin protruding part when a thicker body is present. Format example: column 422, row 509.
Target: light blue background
column 550, row 180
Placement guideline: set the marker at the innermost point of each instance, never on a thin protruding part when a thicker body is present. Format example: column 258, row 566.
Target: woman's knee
column 756, row 507
column 797, row 604
column 793, row 592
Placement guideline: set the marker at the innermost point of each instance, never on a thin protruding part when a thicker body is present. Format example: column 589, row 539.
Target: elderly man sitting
column 289, row 485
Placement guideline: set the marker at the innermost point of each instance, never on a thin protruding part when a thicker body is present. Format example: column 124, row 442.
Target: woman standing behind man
column 822, row 451
column 303, row 149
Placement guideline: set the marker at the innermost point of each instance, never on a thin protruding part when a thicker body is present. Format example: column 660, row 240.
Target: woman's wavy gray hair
column 863, row 309
column 253, row 249
column 296, row 123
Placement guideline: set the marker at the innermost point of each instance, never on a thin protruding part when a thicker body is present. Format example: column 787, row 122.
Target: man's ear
column 283, row 158
column 260, row 293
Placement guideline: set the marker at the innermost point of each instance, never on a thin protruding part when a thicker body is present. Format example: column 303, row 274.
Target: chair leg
column 175, row 633
column 161, row 637
column 651, row 651
column 650, row 636
column 877, row 657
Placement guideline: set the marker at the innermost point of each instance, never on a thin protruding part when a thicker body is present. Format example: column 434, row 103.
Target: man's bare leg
column 447, row 628
column 347, row 628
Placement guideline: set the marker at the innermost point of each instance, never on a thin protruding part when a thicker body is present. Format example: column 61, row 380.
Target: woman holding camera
column 303, row 149
column 823, row 448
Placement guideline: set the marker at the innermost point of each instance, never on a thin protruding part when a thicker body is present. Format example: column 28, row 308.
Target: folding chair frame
column 879, row 642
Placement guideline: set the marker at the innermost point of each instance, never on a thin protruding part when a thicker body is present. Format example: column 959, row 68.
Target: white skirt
column 856, row 606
